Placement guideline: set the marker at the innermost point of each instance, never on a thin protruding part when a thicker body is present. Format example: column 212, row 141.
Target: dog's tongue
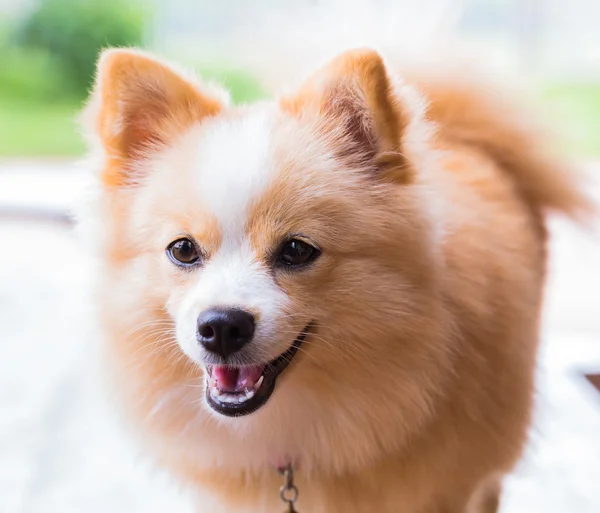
column 232, row 379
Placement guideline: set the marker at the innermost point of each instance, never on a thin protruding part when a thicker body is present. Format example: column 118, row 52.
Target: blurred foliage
column 242, row 86
column 34, row 129
column 30, row 74
column 575, row 111
column 70, row 33
column 47, row 62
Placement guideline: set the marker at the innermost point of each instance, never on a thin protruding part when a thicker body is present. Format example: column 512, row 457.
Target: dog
column 345, row 281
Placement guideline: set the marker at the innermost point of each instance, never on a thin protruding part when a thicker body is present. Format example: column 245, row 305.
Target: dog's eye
column 183, row 252
column 296, row 252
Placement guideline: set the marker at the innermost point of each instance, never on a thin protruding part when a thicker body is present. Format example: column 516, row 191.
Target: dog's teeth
column 233, row 398
column 224, row 397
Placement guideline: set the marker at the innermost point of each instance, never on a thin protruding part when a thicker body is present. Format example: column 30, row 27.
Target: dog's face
column 268, row 268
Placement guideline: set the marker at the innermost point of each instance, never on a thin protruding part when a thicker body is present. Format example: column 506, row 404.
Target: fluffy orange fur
column 414, row 393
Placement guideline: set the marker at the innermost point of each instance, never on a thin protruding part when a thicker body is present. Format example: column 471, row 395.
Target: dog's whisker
column 147, row 325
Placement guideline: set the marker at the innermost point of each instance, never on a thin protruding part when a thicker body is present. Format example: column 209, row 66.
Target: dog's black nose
column 225, row 331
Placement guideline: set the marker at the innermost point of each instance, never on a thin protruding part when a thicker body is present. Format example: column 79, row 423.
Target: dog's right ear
column 139, row 104
column 353, row 95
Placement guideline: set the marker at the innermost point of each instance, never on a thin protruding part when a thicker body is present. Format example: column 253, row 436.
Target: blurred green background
column 48, row 52
column 47, row 60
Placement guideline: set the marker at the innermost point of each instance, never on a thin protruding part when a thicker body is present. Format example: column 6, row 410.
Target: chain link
column 288, row 492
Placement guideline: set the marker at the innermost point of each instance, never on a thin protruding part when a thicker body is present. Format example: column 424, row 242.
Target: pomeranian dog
column 346, row 281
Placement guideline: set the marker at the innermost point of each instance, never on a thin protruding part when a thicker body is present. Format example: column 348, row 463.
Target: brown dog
column 348, row 280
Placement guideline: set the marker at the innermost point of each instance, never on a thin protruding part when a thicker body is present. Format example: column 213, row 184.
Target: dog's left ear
column 354, row 98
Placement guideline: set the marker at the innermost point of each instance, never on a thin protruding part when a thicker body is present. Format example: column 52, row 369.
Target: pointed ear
column 139, row 104
column 353, row 95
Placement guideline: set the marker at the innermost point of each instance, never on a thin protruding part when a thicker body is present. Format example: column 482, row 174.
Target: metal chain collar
column 288, row 492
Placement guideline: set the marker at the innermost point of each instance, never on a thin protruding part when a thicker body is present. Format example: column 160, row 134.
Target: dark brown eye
column 183, row 252
column 296, row 252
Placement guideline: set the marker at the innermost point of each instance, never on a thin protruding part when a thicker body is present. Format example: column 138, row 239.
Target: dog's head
column 269, row 276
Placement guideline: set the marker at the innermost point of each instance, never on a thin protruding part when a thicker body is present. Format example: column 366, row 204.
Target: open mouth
column 238, row 391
